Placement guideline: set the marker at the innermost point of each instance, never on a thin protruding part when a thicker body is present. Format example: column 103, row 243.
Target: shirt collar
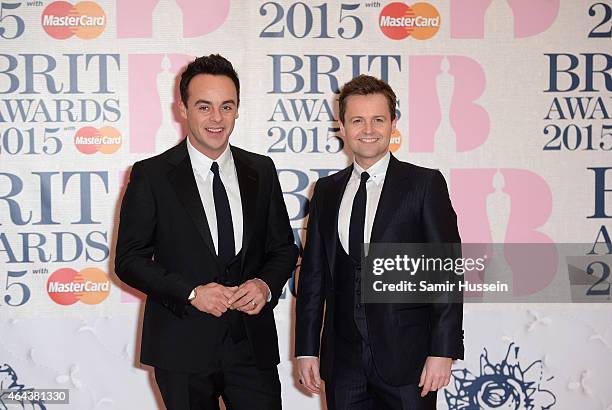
column 377, row 171
column 201, row 163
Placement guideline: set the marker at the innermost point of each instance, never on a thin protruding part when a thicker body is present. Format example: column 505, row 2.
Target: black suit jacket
column 165, row 249
column 414, row 207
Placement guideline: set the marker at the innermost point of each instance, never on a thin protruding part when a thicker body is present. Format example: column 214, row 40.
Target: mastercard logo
column 396, row 141
column 399, row 20
column 62, row 20
column 90, row 140
column 66, row 286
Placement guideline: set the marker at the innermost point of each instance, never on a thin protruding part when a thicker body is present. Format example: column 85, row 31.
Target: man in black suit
column 373, row 356
column 204, row 233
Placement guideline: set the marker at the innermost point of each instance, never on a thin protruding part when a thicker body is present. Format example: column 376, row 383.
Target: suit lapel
column 183, row 181
column 330, row 219
column 248, row 183
column 390, row 199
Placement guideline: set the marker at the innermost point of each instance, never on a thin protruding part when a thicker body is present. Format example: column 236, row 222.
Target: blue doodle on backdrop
column 8, row 381
column 505, row 385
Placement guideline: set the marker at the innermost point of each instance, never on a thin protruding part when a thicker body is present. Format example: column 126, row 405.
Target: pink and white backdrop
column 509, row 98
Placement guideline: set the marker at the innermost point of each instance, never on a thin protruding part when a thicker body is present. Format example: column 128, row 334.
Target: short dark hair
column 366, row 85
column 213, row 64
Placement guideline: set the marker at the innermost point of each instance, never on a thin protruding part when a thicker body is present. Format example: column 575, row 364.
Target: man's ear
column 182, row 110
column 342, row 133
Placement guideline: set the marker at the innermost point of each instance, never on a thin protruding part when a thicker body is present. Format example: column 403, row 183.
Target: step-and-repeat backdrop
column 510, row 99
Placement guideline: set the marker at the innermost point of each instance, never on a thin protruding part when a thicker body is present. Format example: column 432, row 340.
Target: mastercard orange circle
column 111, row 140
column 429, row 21
column 396, row 141
column 97, row 285
column 93, row 20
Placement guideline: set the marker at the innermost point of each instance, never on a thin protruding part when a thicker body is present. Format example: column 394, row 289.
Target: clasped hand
column 216, row 299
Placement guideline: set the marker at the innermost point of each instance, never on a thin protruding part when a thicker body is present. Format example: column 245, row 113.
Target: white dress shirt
column 204, row 180
column 374, row 186
column 200, row 164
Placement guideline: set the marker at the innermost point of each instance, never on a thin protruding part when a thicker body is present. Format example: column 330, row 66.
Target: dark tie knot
column 364, row 177
column 215, row 168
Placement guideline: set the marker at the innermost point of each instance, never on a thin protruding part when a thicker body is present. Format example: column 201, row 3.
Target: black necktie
column 357, row 223
column 225, row 228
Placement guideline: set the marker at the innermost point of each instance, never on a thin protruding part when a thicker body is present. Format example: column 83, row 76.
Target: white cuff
column 192, row 295
column 269, row 298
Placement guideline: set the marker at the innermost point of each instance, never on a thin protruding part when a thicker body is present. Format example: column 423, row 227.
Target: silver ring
column 254, row 304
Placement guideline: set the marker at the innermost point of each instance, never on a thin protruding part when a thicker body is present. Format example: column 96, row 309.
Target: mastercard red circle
column 56, row 20
column 391, row 18
column 86, row 140
column 59, row 285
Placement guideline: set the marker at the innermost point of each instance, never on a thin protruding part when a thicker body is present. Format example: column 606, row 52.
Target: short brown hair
column 366, row 85
column 213, row 64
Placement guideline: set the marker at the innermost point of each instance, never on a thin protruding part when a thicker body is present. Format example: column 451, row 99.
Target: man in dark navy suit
column 204, row 233
column 373, row 356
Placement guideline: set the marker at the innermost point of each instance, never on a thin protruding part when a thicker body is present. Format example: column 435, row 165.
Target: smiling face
column 211, row 111
column 367, row 127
